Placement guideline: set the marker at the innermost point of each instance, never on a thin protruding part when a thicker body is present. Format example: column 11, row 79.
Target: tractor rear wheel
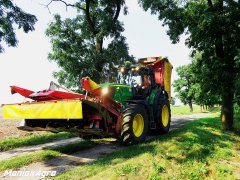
column 134, row 124
column 163, row 117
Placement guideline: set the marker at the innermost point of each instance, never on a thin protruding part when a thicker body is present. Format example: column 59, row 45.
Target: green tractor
column 128, row 110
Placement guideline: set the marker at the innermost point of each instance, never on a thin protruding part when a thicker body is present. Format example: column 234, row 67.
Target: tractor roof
column 151, row 61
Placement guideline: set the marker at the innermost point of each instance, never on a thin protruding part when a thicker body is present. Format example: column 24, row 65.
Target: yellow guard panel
column 167, row 77
column 71, row 109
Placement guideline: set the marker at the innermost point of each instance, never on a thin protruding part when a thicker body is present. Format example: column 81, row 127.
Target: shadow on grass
column 196, row 141
column 201, row 145
column 202, row 139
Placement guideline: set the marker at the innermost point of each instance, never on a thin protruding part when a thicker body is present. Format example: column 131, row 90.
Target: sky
column 27, row 64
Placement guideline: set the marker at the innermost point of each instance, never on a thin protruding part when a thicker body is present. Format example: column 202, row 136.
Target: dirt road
column 31, row 149
column 180, row 120
column 66, row 162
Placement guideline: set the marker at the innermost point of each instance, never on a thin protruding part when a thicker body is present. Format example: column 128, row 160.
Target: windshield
column 130, row 79
column 136, row 80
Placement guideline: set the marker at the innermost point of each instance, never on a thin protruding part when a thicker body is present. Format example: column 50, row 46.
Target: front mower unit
column 125, row 111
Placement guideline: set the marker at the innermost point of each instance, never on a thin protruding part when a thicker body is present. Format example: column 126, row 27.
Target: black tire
column 131, row 113
column 163, row 111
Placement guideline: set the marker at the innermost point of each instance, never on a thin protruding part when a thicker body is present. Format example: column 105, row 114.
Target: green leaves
column 185, row 86
column 213, row 29
column 11, row 15
column 196, row 84
column 79, row 46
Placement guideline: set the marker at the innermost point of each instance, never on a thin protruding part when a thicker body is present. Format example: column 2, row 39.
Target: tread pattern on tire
column 161, row 128
column 160, row 100
column 127, row 135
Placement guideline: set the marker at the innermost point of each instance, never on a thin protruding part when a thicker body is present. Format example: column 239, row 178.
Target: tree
column 237, row 83
column 213, row 28
column 206, row 99
column 79, row 46
column 185, row 86
column 11, row 15
column 204, row 96
column 173, row 101
column 190, row 86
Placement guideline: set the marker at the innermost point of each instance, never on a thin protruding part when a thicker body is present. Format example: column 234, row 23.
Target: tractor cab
column 140, row 78
column 160, row 73
column 149, row 73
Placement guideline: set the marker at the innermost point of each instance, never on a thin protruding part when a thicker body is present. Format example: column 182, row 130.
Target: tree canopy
column 12, row 16
column 90, row 44
column 212, row 27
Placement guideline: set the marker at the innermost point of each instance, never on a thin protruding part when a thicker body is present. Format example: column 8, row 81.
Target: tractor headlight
column 122, row 70
column 105, row 91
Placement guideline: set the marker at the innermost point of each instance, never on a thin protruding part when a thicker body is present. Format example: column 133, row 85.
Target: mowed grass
column 44, row 155
column 198, row 150
column 12, row 143
column 184, row 110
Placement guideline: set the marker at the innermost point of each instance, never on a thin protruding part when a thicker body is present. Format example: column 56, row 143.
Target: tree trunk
column 99, row 45
column 99, row 62
column 190, row 106
column 221, row 52
column 227, row 111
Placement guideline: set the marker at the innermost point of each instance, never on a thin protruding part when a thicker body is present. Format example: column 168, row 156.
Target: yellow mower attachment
column 61, row 109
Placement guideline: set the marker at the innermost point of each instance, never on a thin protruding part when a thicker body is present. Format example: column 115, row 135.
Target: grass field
column 12, row 143
column 182, row 110
column 199, row 150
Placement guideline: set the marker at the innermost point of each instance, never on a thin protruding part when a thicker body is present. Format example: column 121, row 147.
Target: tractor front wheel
column 134, row 124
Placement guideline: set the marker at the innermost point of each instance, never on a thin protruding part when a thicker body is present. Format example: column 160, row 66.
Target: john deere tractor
column 128, row 110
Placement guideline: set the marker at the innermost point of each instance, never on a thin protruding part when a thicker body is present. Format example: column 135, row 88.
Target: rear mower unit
column 128, row 110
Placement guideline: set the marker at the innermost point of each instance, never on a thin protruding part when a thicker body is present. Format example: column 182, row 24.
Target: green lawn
column 198, row 150
column 44, row 155
column 12, row 143
column 182, row 110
